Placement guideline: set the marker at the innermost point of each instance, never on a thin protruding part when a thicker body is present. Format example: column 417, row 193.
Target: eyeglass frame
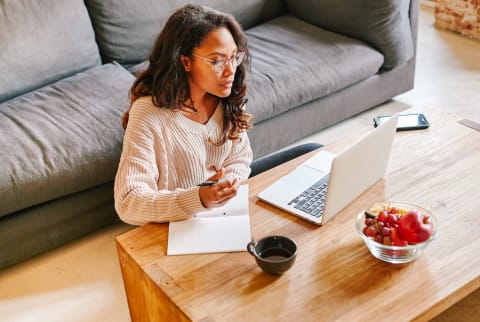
column 224, row 62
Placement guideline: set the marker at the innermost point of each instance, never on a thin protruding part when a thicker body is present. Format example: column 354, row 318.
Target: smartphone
column 406, row 122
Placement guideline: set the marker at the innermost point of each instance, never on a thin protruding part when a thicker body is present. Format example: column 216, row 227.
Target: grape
column 382, row 216
column 393, row 210
column 370, row 231
column 392, row 219
column 386, row 231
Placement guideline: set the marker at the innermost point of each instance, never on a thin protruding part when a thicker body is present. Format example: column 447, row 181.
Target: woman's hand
column 219, row 193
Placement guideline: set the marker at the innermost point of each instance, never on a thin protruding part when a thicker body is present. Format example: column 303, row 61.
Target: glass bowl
column 396, row 254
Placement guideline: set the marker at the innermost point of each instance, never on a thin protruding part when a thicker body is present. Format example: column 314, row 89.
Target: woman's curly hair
column 166, row 80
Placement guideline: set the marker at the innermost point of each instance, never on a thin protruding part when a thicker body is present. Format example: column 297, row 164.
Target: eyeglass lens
column 234, row 61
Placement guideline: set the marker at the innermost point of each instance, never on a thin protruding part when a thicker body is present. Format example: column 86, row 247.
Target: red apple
column 415, row 227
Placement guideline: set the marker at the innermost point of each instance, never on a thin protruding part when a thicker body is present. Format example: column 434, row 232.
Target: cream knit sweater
column 165, row 155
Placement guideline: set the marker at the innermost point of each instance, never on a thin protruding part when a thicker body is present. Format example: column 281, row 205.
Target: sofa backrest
column 384, row 24
column 126, row 29
column 41, row 42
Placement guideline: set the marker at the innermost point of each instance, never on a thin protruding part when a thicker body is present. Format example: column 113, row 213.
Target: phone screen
column 406, row 121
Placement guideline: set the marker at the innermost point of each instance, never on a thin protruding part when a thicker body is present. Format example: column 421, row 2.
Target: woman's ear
column 186, row 62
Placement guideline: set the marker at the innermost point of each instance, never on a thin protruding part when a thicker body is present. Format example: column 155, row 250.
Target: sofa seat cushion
column 62, row 138
column 43, row 41
column 294, row 62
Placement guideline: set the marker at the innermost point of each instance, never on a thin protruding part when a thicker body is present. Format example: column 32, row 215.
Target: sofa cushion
column 294, row 62
column 41, row 42
column 62, row 138
column 384, row 24
column 126, row 29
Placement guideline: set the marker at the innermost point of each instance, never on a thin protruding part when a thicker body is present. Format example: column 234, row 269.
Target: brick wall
column 462, row 16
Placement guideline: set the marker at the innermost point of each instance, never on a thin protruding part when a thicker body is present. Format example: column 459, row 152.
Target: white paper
column 223, row 229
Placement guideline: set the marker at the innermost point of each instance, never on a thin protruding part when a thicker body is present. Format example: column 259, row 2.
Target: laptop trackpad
column 321, row 161
column 291, row 185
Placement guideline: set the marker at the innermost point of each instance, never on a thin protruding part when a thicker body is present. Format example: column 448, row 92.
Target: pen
column 207, row 183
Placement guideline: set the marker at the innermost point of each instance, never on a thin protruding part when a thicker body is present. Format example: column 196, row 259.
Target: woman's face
column 203, row 76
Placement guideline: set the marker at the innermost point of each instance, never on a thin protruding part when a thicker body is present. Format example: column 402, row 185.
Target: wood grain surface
column 334, row 276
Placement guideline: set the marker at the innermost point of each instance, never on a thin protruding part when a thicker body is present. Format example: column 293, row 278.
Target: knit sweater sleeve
column 138, row 199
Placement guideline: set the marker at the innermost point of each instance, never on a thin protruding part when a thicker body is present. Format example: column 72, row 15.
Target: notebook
column 222, row 229
column 342, row 178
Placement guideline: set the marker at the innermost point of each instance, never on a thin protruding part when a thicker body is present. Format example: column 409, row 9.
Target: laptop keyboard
column 312, row 200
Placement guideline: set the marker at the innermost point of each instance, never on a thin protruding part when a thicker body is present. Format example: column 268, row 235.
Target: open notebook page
column 222, row 229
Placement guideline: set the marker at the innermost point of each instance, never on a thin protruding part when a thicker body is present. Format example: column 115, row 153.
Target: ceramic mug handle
column 251, row 247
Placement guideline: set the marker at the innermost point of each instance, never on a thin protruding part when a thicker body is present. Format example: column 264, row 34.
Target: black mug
column 273, row 254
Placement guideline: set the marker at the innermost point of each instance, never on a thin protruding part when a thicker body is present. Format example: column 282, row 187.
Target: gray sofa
column 66, row 67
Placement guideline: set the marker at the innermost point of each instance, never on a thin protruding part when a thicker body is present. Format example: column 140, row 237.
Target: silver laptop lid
column 360, row 166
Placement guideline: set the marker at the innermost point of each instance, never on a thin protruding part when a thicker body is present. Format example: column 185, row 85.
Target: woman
column 187, row 123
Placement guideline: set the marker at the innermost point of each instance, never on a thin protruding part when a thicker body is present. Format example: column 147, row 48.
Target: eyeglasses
column 218, row 65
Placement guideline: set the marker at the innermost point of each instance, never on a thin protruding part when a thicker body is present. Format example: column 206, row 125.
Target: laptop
column 325, row 184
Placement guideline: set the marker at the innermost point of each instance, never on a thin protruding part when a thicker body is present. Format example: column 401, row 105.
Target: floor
column 81, row 282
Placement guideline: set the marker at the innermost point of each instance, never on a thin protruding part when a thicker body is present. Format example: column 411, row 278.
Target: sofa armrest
column 385, row 25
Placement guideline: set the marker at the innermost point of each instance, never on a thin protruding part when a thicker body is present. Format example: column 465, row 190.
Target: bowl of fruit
column 396, row 232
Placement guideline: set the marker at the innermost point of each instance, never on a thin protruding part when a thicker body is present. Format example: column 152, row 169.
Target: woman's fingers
column 224, row 191
column 219, row 193
column 218, row 175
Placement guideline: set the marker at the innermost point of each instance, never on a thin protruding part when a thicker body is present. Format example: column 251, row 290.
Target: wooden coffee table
column 334, row 277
